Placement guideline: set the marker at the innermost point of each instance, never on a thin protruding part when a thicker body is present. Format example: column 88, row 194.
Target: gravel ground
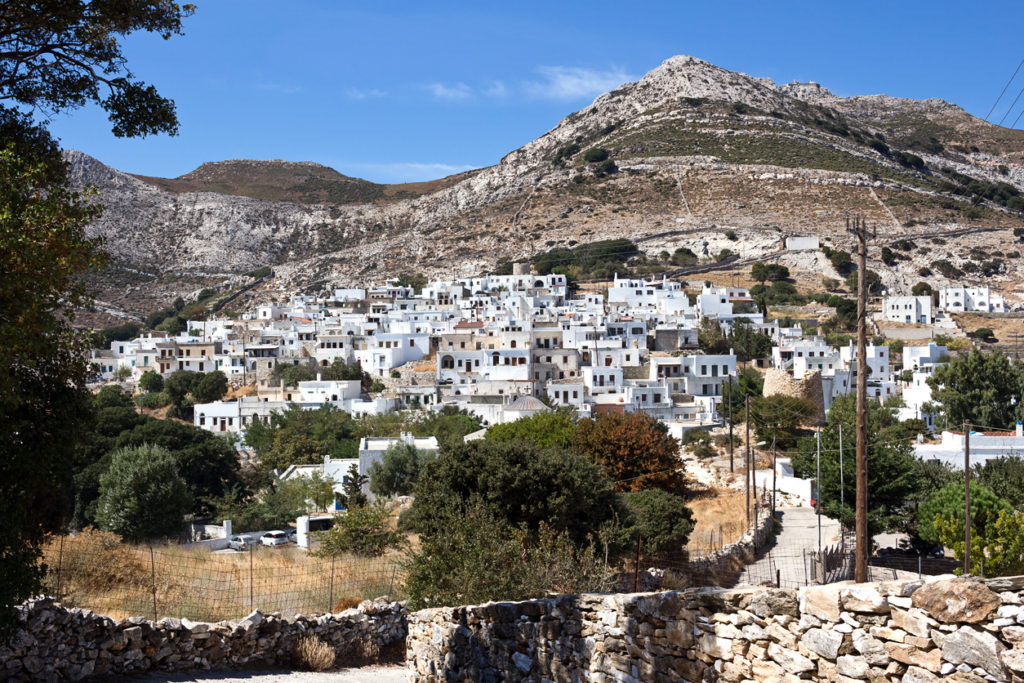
column 370, row 674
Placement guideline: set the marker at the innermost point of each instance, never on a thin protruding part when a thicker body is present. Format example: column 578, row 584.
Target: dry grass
column 95, row 570
column 720, row 520
column 313, row 654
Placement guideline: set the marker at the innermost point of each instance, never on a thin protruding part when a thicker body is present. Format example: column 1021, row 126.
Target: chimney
column 318, row 377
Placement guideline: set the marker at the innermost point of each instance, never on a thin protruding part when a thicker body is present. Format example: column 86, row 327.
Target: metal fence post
column 152, row 568
column 60, row 564
column 330, row 599
column 252, row 603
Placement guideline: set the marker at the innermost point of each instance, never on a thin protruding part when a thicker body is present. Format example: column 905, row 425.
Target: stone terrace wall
column 53, row 642
column 947, row 629
column 723, row 566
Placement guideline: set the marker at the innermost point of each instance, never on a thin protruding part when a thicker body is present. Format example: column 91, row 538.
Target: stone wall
column 778, row 381
column 53, row 642
column 945, row 629
column 723, row 566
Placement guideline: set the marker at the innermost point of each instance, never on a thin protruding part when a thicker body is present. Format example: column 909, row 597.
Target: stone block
column 863, row 598
column 975, row 648
column 913, row 621
column 852, row 666
column 822, row 601
column 791, row 661
column 823, row 643
column 957, row 601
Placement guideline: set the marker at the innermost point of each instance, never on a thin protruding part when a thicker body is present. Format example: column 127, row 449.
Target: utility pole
column 842, row 493
column 775, row 475
column 967, row 498
column 748, row 474
column 817, row 485
column 732, row 465
column 863, row 543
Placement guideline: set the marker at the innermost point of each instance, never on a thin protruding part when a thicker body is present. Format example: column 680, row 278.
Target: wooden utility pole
column 732, row 465
column 748, row 474
column 967, row 498
column 863, row 542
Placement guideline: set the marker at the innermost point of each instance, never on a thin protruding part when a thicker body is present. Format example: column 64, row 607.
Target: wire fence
column 94, row 570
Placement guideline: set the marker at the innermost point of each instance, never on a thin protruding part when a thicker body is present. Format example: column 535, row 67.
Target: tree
column 749, row 382
column 520, row 483
column 352, row 487
column 977, row 388
column 893, row 474
column 661, row 519
column 999, row 551
column 179, row 385
column 984, row 333
column 948, row 503
column 635, row 450
column 207, row 463
column 54, row 56
column 303, row 437
column 747, row 341
column 398, row 471
column 921, row 289
column 1005, row 476
column 547, row 429
column 595, row 154
column 293, row 374
column 142, row 495
column 710, row 337
column 210, row 387
column 778, row 418
column 151, row 382
column 363, row 530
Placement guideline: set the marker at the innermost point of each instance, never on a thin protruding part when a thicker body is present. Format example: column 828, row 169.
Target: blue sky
column 403, row 91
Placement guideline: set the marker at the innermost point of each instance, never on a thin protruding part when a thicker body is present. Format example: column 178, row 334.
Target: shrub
column 363, row 530
column 731, row 235
column 661, row 519
column 983, row 333
column 142, row 495
column 395, row 374
column 153, row 401
column 595, row 154
column 260, row 272
column 313, row 654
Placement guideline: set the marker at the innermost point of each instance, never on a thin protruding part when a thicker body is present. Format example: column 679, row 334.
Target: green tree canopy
column 661, row 519
column 747, row 341
column 302, row 437
column 547, row 429
column 363, row 530
column 977, row 388
column 142, row 495
column 398, row 471
column 710, row 337
column 520, row 483
column 948, row 503
column 151, row 382
column 210, row 387
column 778, row 418
column 893, row 473
column 1005, row 476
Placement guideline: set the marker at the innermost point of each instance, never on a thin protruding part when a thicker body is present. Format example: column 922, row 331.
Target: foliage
column 948, row 503
column 474, row 555
column 893, row 473
column 921, row 289
column 153, row 401
column 683, row 257
column 747, row 341
column 872, row 279
column 999, row 551
column 142, row 495
column 398, row 471
column 416, row 281
column 661, row 519
column 210, row 387
column 105, row 337
column 976, row 388
column 595, row 154
column 984, row 333
column 710, row 337
column 302, row 437
column 749, row 382
column 54, row 56
column 1005, row 476
column 352, row 487
column 547, row 429
column 777, row 419
column 763, row 272
column 293, row 374
column 265, row 271
column 591, row 260
column 635, row 450
column 363, row 530
column 151, row 382
column 520, row 483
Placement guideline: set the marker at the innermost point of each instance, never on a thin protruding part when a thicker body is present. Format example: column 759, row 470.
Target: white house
column 372, row 449
column 970, row 300
column 335, row 469
column 984, row 446
column 908, row 309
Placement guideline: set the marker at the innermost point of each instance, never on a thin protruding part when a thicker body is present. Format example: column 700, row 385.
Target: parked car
column 293, row 536
column 273, row 538
column 240, row 542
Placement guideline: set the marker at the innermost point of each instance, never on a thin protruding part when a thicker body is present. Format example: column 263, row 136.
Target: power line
column 1012, row 105
column 1005, row 87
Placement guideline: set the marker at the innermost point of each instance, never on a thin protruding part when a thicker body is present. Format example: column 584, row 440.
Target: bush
column 313, row 654
column 661, row 519
column 398, row 471
column 363, row 530
column 151, row 382
column 142, row 495
column 731, row 235
column 948, row 503
column 983, row 333
column 395, row 374
column 595, row 154
column 260, row 272
column 153, row 401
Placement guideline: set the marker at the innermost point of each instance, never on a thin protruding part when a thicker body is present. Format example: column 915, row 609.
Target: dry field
column 95, row 570
column 720, row 520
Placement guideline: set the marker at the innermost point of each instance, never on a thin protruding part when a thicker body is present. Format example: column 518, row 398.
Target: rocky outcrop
column 841, row 632
column 52, row 642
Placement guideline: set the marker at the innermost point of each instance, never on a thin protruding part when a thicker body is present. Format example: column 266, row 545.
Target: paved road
column 369, row 674
column 786, row 554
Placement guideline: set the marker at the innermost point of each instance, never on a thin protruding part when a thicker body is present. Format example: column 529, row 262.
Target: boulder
column 822, row 643
column 822, row 601
column 863, row 598
column 852, row 666
column 970, row 646
column 792, row 662
column 957, row 601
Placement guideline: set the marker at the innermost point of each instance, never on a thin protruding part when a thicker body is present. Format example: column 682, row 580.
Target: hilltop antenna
column 863, row 542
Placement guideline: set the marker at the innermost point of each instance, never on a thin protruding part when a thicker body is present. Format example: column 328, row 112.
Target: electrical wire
column 1005, row 87
column 1012, row 106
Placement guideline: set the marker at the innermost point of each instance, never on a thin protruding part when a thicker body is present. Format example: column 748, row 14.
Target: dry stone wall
column 951, row 629
column 56, row 643
column 778, row 381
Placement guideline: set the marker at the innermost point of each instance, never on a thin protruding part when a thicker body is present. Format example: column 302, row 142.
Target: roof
column 467, row 325
column 526, row 403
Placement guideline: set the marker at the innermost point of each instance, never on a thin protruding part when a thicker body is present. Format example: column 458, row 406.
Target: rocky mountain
column 691, row 155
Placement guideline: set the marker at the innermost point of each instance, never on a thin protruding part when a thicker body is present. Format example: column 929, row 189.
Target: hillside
column 697, row 157
column 301, row 182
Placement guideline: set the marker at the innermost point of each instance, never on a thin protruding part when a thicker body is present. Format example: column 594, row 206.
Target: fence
column 94, row 570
